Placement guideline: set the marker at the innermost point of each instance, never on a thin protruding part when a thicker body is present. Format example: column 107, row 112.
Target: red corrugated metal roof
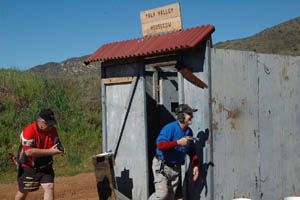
column 151, row 45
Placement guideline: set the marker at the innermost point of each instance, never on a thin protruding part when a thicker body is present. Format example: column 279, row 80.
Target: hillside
column 282, row 39
column 69, row 67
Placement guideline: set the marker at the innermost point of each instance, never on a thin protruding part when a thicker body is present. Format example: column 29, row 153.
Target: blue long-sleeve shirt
column 173, row 132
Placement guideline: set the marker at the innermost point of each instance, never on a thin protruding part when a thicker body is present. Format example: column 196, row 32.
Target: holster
column 162, row 166
column 19, row 169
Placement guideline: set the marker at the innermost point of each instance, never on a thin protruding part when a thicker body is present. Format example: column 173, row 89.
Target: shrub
column 24, row 94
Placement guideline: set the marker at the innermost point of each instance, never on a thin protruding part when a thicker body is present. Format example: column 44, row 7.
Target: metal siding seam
column 208, row 44
column 103, row 98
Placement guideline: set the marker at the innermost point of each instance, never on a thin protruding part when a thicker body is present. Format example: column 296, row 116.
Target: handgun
column 193, row 138
column 59, row 145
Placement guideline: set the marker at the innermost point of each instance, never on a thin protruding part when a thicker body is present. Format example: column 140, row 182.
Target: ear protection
column 180, row 115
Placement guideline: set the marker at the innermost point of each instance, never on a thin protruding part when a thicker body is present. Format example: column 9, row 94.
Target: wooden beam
column 115, row 80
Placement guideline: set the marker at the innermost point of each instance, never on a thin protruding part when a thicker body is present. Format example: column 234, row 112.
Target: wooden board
column 117, row 80
column 162, row 26
column 162, row 19
column 104, row 172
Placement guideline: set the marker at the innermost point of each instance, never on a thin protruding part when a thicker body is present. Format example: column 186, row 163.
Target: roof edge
column 143, row 43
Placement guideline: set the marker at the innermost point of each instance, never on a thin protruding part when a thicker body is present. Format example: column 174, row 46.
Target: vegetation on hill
column 69, row 67
column 23, row 94
column 282, row 39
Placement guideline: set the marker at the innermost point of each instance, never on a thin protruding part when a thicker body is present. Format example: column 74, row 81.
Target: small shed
column 143, row 81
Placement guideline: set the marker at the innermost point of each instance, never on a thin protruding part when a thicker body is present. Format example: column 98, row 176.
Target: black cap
column 48, row 116
column 184, row 108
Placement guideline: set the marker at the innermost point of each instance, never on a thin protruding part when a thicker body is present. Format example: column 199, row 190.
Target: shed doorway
column 161, row 101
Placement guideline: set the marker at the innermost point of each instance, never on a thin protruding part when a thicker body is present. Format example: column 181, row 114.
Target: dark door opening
column 161, row 99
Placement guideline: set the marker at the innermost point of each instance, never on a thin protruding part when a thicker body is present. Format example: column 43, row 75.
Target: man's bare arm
column 35, row 152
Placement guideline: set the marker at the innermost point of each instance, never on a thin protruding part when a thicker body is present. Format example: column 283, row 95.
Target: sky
column 34, row 32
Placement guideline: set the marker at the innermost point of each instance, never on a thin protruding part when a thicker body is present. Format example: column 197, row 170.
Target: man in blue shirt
column 173, row 143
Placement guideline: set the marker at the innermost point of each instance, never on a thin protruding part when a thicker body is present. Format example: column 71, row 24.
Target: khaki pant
column 165, row 181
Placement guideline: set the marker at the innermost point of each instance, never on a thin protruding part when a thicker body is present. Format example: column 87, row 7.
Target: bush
column 24, row 94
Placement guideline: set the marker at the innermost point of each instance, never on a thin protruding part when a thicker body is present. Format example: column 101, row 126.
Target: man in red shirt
column 40, row 142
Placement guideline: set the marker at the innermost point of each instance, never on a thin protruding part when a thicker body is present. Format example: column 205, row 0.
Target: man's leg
column 27, row 182
column 160, row 182
column 47, row 183
column 48, row 190
column 161, row 188
column 21, row 195
column 173, row 186
column 165, row 188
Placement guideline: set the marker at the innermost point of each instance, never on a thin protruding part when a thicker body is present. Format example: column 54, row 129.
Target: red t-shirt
column 32, row 137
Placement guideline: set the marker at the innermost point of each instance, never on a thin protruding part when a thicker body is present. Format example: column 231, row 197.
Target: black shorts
column 30, row 179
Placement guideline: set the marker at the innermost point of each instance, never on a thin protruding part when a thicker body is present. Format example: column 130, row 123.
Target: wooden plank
column 115, row 80
column 162, row 19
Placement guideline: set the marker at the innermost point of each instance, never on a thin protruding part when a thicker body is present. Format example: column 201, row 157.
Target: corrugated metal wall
column 256, row 125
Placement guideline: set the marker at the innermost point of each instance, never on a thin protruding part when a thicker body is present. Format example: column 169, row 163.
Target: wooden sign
column 160, row 20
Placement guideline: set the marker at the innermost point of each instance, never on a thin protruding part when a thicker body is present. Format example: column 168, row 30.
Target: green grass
column 24, row 94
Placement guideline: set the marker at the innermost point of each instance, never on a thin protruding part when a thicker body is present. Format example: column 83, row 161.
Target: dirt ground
column 79, row 187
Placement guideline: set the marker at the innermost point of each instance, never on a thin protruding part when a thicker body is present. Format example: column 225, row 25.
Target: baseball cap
column 184, row 108
column 48, row 116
